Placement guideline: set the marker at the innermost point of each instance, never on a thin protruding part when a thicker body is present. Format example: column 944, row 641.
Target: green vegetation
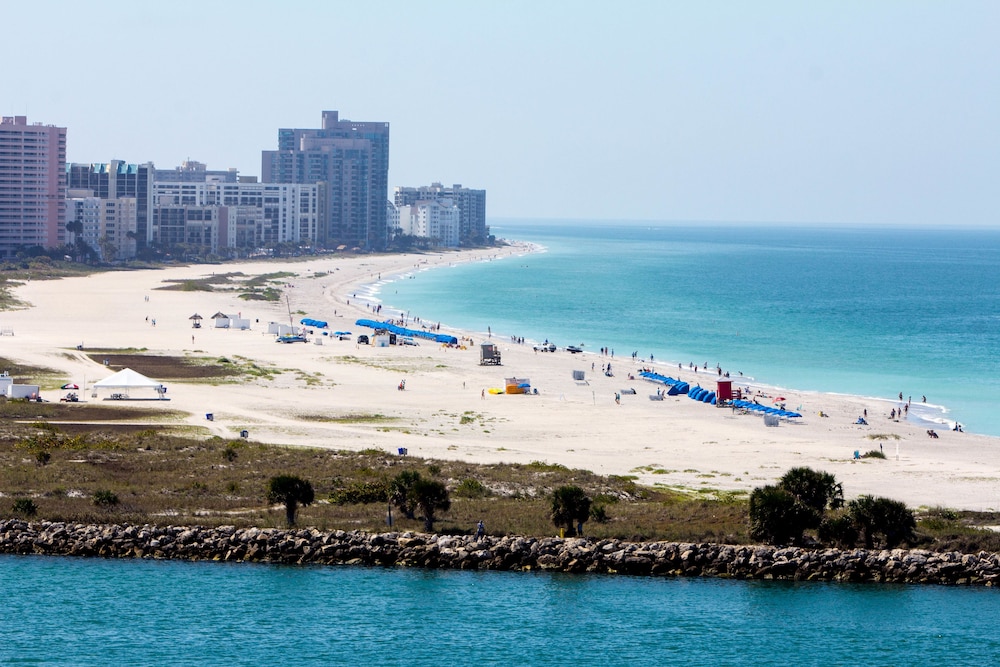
column 163, row 475
column 471, row 488
column 25, row 507
column 429, row 496
column 399, row 492
column 807, row 499
column 570, row 508
column 105, row 498
column 881, row 517
column 292, row 491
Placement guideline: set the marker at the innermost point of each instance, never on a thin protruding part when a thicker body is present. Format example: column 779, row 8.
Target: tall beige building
column 32, row 185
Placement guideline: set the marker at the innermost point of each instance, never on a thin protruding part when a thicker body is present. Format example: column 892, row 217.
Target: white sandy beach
column 443, row 412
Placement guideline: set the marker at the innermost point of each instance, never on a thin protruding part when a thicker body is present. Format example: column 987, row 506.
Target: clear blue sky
column 845, row 112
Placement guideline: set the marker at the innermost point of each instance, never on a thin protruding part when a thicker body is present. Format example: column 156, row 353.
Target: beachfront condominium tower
column 471, row 205
column 112, row 181
column 438, row 220
column 32, row 185
column 350, row 160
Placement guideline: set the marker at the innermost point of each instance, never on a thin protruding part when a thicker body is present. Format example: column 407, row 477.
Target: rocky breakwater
column 311, row 546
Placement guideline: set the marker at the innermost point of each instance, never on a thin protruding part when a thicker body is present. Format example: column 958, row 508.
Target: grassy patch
column 162, row 477
column 25, row 374
column 357, row 418
column 181, row 368
column 882, row 436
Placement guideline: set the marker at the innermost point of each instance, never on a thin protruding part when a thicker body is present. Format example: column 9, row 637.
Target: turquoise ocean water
column 869, row 312
column 64, row 611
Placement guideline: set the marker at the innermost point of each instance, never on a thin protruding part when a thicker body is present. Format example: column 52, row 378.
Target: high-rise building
column 437, row 220
column 471, row 205
column 351, row 162
column 196, row 172
column 115, row 180
column 245, row 216
column 32, row 185
column 107, row 226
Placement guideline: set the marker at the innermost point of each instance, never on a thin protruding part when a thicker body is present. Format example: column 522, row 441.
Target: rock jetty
column 511, row 553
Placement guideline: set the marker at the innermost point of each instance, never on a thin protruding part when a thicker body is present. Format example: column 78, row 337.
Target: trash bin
column 209, row 416
column 402, row 451
column 244, row 434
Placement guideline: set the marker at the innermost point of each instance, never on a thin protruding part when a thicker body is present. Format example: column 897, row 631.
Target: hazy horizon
column 824, row 113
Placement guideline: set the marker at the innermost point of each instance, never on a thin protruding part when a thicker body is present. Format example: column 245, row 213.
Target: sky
column 849, row 112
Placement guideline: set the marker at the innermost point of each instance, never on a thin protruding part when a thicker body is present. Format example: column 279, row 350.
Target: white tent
column 127, row 379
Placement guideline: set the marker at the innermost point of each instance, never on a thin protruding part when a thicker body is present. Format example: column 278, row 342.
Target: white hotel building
column 235, row 215
column 439, row 220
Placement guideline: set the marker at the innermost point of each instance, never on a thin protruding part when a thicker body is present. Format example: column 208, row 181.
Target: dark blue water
column 871, row 312
column 62, row 611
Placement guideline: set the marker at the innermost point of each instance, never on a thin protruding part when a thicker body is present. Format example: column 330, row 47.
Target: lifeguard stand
column 723, row 392
column 489, row 355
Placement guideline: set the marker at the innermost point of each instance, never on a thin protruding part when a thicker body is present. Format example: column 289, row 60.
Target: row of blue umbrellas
column 763, row 409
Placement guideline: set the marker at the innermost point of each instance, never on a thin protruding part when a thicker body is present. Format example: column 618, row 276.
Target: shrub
column 839, row 531
column 25, row 506
column 361, row 492
column 105, row 498
column 776, row 517
column 873, row 454
column 599, row 514
column 42, row 457
column 471, row 488
column 229, row 454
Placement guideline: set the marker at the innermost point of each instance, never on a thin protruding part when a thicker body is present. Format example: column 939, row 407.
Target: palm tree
column 430, row 496
column 881, row 516
column 814, row 489
column 570, row 508
column 399, row 491
column 292, row 491
column 776, row 517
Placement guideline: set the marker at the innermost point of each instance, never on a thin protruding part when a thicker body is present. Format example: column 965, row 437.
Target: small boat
column 573, row 349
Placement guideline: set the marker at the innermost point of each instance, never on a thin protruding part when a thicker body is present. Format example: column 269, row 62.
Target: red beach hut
column 723, row 391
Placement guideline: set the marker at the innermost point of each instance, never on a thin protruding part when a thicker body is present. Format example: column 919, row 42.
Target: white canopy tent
column 126, row 380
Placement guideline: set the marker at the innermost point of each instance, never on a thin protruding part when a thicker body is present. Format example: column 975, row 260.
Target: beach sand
column 325, row 395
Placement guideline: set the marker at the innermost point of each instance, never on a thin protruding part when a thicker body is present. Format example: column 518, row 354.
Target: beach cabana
column 124, row 382
column 195, row 321
column 517, row 385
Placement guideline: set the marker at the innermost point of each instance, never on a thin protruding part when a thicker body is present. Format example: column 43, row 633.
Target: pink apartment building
column 32, row 185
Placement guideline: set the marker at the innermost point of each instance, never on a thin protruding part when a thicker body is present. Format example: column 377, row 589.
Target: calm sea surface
column 64, row 611
column 870, row 312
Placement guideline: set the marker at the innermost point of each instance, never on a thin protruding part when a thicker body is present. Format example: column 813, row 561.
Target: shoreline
column 676, row 443
column 936, row 419
column 935, row 416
